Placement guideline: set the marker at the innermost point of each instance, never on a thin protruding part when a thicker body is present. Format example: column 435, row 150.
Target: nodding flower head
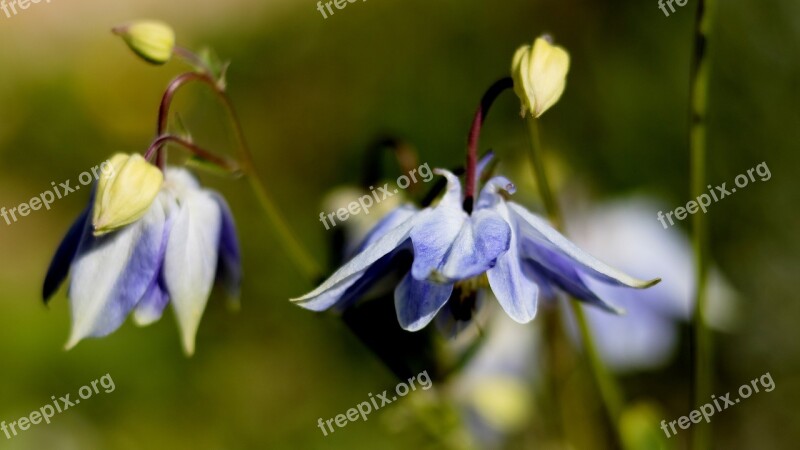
column 539, row 73
column 125, row 193
column 182, row 244
column 500, row 246
column 152, row 40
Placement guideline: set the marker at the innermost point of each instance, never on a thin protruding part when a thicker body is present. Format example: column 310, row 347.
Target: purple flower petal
column 59, row 266
column 563, row 274
column 513, row 283
column 111, row 273
column 229, row 267
column 330, row 292
column 386, row 224
column 417, row 302
column 450, row 245
column 151, row 307
column 548, row 247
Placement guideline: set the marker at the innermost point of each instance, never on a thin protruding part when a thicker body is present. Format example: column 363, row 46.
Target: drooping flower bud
column 124, row 194
column 539, row 73
column 150, row 39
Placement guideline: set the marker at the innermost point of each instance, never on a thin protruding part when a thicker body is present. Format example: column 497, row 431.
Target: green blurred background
column 312, row 94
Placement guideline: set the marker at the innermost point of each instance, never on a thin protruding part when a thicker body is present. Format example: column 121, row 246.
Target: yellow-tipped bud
column 125, row 193
column 540, row 74
column 151, row 39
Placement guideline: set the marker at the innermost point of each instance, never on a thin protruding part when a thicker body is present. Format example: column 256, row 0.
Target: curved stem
column 702, row 344
column 299, row 255
column 166, row 103
column 159, row 142
column 609, row 391
column 169, row 95
column 488, row 99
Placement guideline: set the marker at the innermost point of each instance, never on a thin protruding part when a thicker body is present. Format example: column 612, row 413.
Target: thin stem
column 542, row 183
column 159, row 142
column 169, row 95
column 192, row 58
column 609, row 392
column 488, row 99
column 166, row 103
column 299, row 255
column 558, row 366
column 702, row 343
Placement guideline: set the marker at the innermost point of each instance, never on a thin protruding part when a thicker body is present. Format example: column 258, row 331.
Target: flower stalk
column 698, row 94
column 609, row 391
column 488, row 99
column 542, row 183
column 161, row 141
column 299, row 255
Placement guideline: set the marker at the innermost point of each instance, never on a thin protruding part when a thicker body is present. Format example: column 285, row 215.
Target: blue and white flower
column 499, row 245
column 173, row 254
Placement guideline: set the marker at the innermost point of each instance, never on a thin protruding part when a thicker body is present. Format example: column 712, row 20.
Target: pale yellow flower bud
column 150, row 39
column 540, row 74
column 125, row 193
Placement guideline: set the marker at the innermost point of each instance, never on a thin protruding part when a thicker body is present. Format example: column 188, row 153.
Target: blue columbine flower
column 173, row 254
column 499, row 245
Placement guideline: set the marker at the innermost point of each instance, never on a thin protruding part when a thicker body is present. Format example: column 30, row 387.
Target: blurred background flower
column 647, row 335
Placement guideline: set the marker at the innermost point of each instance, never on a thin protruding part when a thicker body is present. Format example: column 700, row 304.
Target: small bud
column 124, row 194
column 152, row 40
column 539, row 74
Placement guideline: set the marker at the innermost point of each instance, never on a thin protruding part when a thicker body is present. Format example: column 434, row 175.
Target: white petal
column 190, row 263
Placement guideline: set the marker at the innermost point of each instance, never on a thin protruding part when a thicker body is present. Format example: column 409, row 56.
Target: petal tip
column 71, row 342
column 188, row 346
column 649, row 283
column 142, row 320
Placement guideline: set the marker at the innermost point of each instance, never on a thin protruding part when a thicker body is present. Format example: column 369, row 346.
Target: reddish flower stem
column 488, row 99
column 166, row 103
column 158, row 144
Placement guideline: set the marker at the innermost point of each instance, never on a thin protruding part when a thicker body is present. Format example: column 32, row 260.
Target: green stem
column 298, row 254
column 702, row 343
column 301, row 257
column 550, row 205
column 609, row 392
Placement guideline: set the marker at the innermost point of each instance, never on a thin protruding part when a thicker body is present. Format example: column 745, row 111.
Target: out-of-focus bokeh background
column 312, row 94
